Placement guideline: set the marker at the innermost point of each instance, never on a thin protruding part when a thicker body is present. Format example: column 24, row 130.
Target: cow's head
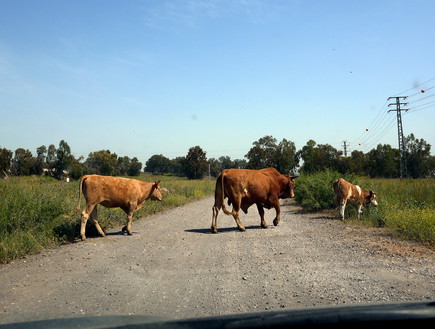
column 289, row 191
column 155, row 194
column 371, row 199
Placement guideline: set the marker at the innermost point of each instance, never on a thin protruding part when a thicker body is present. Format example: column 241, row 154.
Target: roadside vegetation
column 32, row 209
column 407, row 206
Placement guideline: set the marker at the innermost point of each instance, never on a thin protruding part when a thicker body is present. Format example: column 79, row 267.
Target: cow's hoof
column 275, row 222
column 214, row 230
column 83, row 238
column 124, row 229
column 242, row 229
column 264, row 226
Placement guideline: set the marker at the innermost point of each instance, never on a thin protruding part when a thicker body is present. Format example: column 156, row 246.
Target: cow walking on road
column 113, row 192
column 244, row 187
column 345, row 191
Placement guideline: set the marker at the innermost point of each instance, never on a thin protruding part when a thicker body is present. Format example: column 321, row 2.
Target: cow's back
column 110, row 191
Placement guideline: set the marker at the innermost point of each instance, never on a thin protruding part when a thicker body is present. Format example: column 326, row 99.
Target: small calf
column 345, row 191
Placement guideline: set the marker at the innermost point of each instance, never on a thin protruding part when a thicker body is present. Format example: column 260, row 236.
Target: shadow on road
column 222, row 230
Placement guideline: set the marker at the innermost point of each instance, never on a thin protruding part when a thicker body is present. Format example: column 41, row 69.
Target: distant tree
column 122, row 165
column 50, row 159
column 226, row 162
column 318, row 158
column 286, row 157
column 5, row 160
column 22, row 163
column 215, row 167
column 358, row 163
column 262, row 154
column 240, row 164
column 77, row 169
column 195, row 164
column 384, row 161
column 102, row 162
column 63, row 159
column 134, row 167
column 176, row 166
column 158, row 164
column 41, row 154
column 418, row 157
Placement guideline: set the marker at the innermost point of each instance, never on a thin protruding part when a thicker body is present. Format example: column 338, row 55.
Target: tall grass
column 32, row 209
column 405, row 205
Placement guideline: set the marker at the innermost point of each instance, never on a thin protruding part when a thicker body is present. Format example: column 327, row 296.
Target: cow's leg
column 94, row 217
column 240, row 226
column 235, row 213
column 275, row 204
column 85, row 215
column 342, row 208
column 359, row 210
column 261, row 212
column 214, row 219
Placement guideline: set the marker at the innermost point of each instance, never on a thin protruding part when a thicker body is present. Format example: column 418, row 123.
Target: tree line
column 382, row 161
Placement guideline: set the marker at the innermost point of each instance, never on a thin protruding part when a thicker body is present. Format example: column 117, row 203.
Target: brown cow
column 113, row 192
column 244, row 187
column 345, row 191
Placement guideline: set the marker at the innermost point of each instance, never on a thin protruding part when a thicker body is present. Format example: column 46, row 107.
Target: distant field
column 32, row 209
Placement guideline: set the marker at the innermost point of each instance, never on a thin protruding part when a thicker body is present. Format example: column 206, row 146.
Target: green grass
column 32, row 209
column 405, row 205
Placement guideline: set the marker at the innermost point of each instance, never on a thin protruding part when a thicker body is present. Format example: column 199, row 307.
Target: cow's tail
column 224, row 209
column 80, row 198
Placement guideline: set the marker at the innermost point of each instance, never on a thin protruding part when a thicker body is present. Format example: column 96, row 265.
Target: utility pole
column 400, row 132
column 345, row 148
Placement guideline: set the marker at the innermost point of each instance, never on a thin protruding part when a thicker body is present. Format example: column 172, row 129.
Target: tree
column 418, row 157
column 195, row 164
column 286, row 158
column 262, row 154
column 122, row 164
column 240, row 164
column 77, row 169
column 384, row 161
column 177, row 164
column 358, row 163
column 23, row 162
column 63, row 159
column 50, row 159
column 215, row 167
column 318, row 158
column 158, row 164
column 102, row 162
column 5, row 160
column 41, row 153
column 134, row 167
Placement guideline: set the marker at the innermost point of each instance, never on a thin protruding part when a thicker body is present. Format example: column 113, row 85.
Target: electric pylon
column 402, row 149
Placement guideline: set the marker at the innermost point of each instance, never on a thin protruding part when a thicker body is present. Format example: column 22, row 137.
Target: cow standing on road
column 345, row 191
column 244, row 187
column 114, row 192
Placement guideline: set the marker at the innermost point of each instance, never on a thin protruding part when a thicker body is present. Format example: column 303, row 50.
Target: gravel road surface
column 172, row 266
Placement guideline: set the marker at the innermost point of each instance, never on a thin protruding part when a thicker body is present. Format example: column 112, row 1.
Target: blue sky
column 158, row 77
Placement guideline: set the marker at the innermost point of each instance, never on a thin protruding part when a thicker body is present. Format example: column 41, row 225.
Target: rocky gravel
column 172, row 266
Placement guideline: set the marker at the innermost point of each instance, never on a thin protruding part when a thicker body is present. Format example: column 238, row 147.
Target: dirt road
column 174, row 267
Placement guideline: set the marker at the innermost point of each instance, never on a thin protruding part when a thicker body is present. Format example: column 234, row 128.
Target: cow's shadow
column 223, row 230
column 117, row 233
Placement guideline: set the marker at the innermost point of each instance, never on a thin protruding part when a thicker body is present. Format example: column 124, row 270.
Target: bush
column 314, row 192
